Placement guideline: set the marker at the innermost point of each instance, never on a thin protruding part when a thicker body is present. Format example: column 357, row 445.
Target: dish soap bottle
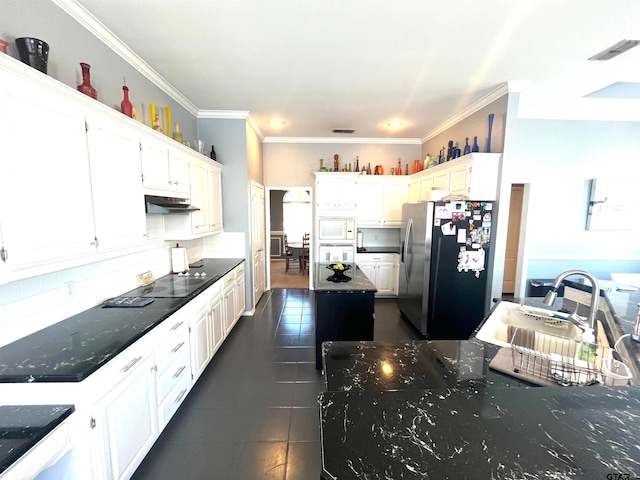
column 587, row 350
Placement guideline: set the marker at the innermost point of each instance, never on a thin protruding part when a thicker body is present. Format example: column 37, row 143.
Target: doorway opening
column 289, row 216
column 513, row 239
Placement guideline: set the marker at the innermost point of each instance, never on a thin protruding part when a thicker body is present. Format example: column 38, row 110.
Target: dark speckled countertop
column 434, row 409
column 21, row 427
column 72, row 349
column 359, row 281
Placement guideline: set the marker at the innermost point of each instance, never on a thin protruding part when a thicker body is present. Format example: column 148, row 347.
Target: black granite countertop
column 414, row 365
column 363, row 250
column 72, row 349
column 22, row 427
column 358, row 282
column 505, row 433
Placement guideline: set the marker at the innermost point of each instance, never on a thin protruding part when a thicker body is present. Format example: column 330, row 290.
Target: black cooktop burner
column 338, row 278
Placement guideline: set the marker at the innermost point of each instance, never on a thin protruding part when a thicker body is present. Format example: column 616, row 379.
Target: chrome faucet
column 552, row 294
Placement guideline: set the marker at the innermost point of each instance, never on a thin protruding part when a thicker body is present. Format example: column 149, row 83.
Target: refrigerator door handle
column 407, row 246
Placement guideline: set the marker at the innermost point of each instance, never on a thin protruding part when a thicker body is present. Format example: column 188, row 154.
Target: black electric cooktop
column 172, row 286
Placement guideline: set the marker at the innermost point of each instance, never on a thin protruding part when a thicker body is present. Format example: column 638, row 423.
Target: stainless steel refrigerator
column 445, row 266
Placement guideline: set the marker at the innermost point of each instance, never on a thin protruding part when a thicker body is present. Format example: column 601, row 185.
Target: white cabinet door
column 369, row 202
column 228, row 307
column 127, row 421
column 179, row 169
column 369, row 269
column 215, row 200
column 199, row 341
column 395, row 194
column 200, row 221
column 386, row 277
column 459, row 179
column 216, row 318
column 45, row 191
column 155, row 166
column 239, row 294
column 426, row 185
column 441, row 180
column 114, row 157
column 414, row 192
column 337, row 191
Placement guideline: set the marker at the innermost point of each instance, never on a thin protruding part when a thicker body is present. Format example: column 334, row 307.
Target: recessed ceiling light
column 395, row 124
column 615, row 50
column 276, row 123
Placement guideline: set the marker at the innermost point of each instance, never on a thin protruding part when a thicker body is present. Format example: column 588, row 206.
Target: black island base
column 344, row 309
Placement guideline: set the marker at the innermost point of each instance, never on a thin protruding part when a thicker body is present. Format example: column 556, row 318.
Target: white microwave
column 336, row 229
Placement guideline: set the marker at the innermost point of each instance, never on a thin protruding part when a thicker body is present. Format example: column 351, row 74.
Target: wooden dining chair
column 288, row 256
column 304, row 258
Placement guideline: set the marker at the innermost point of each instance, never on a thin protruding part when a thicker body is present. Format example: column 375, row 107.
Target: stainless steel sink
column 508, row 316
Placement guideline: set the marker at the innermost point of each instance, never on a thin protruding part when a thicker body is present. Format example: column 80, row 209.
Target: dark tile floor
column 253, row 414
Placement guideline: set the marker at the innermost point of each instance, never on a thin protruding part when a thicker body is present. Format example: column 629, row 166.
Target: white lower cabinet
column 228, row 303
column 382, row 269
column 125, row 420
column 199, row 339
column 239, row 291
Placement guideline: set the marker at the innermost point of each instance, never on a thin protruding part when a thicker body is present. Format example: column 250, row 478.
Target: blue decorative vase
column 475, row 147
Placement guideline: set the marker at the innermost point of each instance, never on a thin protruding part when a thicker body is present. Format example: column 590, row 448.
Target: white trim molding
column 106, row 36
column 500, row 91
column 334, row 140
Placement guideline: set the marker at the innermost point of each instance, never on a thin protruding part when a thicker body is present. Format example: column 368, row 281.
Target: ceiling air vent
column 343, row 130
column 615, row 50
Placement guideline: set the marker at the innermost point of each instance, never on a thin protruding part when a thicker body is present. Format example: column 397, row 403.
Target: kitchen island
column 344, row 309
column 436, row 410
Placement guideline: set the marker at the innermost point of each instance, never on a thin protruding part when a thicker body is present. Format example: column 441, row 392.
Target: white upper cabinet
column 380, row 200
column 206, row 194
column 45, row 190
column 165, row 172
column 116, row 182
column 336, row 191
column 474, row 176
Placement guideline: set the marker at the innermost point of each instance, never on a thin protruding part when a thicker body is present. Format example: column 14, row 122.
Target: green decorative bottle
column 322, row 167
column 177, row 136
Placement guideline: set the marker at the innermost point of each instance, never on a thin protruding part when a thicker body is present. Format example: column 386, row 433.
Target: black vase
column 33, row 52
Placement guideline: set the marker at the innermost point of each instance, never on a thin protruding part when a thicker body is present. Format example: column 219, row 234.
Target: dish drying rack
column 565, row 361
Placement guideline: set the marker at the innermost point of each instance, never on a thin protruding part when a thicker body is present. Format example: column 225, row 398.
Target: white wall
column 558, row 158
column 294, row 164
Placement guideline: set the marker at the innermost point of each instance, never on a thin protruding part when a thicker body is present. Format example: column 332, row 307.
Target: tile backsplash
column 34, row 303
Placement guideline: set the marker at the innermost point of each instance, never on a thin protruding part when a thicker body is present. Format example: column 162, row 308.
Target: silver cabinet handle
column 179, row 372
column 177, row 347
column 169, row 182
column 175, row 327
column 131, row 364
column 180, row 395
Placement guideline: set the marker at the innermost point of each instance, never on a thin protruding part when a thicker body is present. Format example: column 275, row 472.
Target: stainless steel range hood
column 168, row 205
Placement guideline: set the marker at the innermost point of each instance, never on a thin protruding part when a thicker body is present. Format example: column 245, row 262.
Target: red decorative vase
column 85, row 87
column 3, row 46
column 125, row 105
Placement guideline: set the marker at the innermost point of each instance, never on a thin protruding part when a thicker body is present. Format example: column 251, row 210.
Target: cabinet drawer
column 173, row 401
column 377, row 257
column 172, row 348
column 174, row 374
column 125, row 363
column 229, row 279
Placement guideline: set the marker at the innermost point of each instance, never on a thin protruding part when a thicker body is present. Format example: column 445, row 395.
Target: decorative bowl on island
column 337, row 271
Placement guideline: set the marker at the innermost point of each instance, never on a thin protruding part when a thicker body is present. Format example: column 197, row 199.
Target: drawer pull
column 175, row 327
column 180, row 395
column 177, row 347
column 128, row 366
column 179, row 372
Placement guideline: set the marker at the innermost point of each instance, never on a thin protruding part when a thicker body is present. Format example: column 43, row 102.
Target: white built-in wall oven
column 328, row 253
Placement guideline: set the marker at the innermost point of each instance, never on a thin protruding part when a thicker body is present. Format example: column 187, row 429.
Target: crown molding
column 382, row 141
column 224, row 114
column 479, row 104
column 232, row 115
column 106, row 36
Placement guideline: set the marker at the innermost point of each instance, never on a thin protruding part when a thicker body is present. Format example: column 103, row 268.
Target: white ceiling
column 323, row 64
